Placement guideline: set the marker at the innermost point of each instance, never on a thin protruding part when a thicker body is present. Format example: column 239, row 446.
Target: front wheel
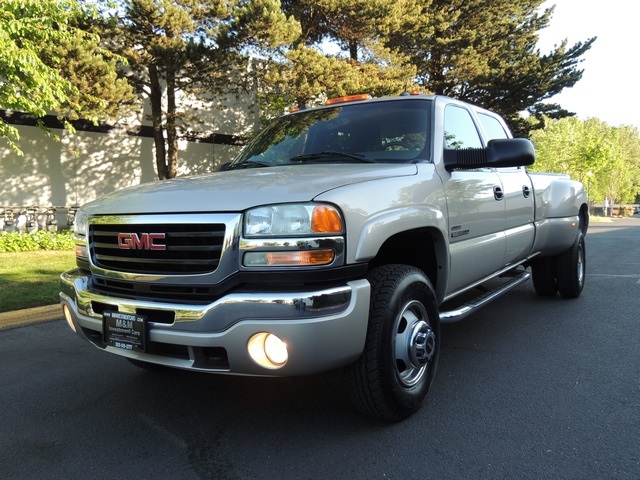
column 392, row 377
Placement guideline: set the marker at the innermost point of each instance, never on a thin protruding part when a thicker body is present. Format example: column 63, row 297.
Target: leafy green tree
column 606, row 159
column 48, row 63
column 305, row 74
column 485, row 53
column 186, row 47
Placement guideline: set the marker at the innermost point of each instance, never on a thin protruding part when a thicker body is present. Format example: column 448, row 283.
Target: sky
column 609, row 88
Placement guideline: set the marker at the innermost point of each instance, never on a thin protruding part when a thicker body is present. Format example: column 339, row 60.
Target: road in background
column 528, row 387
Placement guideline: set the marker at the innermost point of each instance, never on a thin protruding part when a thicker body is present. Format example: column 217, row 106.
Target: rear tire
column 571, row 269
column 392, row 377
column 543, row 274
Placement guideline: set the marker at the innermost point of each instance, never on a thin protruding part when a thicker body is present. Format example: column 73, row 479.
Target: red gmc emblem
column 144, row 241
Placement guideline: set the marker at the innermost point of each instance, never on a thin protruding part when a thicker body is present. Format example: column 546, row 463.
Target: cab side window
column 459, row 129
column 492, row 127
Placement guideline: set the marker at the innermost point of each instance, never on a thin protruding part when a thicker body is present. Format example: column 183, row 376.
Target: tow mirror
column 508, row 152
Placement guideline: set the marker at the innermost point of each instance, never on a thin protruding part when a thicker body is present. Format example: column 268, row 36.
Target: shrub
column 40, row 240
column 625, row 211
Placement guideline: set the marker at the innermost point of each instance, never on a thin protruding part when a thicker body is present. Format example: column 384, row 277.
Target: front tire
column 392, row 377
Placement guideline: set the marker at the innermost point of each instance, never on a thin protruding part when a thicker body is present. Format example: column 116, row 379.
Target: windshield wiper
column 249, row 164
column 327, row 155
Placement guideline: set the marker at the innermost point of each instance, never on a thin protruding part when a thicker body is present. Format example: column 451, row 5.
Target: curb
column 30, row 315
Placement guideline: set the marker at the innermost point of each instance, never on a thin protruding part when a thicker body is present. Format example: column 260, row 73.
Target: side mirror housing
column 508, row 152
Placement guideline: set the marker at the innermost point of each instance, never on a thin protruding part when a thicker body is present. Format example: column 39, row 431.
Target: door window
column 459, row 129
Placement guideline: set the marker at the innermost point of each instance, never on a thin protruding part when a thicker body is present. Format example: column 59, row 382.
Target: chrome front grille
column 157, row 248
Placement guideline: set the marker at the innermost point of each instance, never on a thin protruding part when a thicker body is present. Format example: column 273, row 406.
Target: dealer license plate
column 125, row 330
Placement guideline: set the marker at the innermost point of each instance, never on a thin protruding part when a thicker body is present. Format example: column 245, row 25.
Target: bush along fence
column 40, row 240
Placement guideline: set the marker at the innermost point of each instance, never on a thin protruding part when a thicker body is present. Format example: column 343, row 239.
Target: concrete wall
column 97, row 160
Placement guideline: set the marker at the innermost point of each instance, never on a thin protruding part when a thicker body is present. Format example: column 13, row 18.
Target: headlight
column 292, row 220
column 80, row 230
column 81, row 223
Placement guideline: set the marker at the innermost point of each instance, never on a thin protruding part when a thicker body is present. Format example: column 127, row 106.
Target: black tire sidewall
column 543, row 271
column 568, row 269
column 411, row 285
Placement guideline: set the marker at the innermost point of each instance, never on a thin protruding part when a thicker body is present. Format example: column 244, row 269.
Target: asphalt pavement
column 527, row 388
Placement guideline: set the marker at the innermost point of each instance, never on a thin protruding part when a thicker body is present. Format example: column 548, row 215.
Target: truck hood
column 237, row 190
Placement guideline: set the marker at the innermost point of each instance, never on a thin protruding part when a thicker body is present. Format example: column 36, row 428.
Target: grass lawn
column 31, row 279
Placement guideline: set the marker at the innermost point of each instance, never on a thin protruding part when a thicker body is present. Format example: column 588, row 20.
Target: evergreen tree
column 306, row 74
column 190, row 46
column 485, row 53
column 351, row 24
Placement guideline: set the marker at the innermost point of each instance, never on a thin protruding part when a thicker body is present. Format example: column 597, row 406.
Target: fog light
column 267, row 350
column 67, row 316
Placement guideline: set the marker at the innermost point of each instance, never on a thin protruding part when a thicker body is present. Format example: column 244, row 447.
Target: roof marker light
column 348, row 98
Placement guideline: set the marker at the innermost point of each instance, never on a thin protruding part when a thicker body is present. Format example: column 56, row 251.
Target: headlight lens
column 81, row 223
column 292, row 220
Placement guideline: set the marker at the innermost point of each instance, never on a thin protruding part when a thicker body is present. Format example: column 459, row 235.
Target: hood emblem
column 143, row 241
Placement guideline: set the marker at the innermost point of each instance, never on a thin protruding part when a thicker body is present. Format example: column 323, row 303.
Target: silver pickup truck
column 342, row 236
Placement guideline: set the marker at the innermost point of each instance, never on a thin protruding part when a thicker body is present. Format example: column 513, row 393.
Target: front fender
column 383, row 226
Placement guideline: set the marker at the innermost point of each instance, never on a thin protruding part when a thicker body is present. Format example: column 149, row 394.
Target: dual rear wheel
column 563, row 273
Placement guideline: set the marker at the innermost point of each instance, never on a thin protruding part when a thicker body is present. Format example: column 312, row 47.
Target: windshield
column 388, row 131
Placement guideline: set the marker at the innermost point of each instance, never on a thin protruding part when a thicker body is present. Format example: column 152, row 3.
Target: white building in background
column 100, row 159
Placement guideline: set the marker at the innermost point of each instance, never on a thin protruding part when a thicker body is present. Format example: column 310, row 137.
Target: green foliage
column 478, row 51
column 606, row 159
column 67, row 56
column 194, row 47
column 354, row 25
column 305, row 74
column 40, row 240
column 485, row 53
column 308, row 77
column 48, row 64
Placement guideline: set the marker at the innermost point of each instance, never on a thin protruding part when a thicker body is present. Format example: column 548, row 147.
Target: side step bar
column 458, row 314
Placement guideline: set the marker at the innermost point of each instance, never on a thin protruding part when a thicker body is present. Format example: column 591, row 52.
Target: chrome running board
column 468, row 308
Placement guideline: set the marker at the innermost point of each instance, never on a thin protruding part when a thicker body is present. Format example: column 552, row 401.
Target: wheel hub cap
column 422, row 343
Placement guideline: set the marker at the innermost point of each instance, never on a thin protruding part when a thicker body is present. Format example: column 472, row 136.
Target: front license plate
column 125, row 330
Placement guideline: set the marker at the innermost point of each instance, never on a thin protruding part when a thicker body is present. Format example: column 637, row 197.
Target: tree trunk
column 353, row 50
column 156, row 118
column 172, row 132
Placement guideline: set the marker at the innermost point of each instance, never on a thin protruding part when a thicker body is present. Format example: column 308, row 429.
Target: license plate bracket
column 127, row 331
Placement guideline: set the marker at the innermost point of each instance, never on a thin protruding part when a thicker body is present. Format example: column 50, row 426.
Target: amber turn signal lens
column 307, row 257
column 325, row 220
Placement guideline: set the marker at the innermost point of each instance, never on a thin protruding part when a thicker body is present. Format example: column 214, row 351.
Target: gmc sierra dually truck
column 342, row 236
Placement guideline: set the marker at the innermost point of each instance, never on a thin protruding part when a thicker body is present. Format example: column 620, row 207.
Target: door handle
column 498, row 194
column 526, row 191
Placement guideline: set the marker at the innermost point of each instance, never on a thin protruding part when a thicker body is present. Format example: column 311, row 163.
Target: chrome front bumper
column 323, row 329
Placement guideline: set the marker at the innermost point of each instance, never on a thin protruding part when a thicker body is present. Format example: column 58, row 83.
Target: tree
column 606, row 159
column 485, row 53
column 307, row 77
column 306, row 74
column 186, row 47
column 352, row 24
column 48, row 63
